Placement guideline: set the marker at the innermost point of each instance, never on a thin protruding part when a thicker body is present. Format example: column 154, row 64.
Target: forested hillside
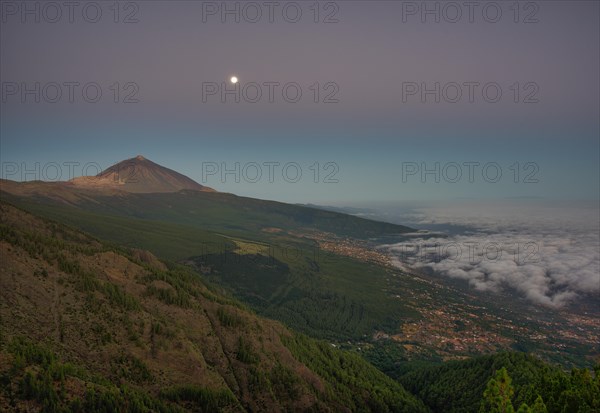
column 89, row 327
column 459, row 386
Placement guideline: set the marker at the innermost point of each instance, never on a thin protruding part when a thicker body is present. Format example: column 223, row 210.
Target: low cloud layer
column 549, row 254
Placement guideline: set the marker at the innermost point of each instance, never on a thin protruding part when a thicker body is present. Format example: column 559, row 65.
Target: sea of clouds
column 547, row 252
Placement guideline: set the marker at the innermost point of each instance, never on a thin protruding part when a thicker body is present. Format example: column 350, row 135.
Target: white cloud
column 549, row 254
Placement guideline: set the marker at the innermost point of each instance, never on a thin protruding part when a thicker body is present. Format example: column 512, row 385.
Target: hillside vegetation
column 88, row 326
column 206, row 210
column 459, row 386
column 292, row 264
column 289, row 278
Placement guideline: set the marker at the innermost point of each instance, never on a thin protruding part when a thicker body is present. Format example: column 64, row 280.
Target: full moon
column 234, row 80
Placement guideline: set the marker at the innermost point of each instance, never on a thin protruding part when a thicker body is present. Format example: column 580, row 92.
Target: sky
column 337, row 102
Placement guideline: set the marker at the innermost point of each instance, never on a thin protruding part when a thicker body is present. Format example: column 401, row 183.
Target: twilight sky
column 362, row 120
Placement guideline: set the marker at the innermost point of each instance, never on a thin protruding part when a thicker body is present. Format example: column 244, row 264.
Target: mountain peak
column 139, row 175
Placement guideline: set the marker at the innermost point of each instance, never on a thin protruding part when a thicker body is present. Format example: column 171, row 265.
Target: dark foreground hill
column 91, row 327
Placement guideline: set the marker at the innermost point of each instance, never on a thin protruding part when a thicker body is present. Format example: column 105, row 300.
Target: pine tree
column 498, row 393
column 539, row 406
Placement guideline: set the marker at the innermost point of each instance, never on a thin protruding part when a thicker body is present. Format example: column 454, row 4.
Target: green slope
column 319, row 293
column 215, row 211
column 88, row 326
column 458, row 386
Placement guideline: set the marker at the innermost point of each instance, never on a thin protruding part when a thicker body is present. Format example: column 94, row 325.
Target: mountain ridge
column 144, row 189
column 139, row 175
